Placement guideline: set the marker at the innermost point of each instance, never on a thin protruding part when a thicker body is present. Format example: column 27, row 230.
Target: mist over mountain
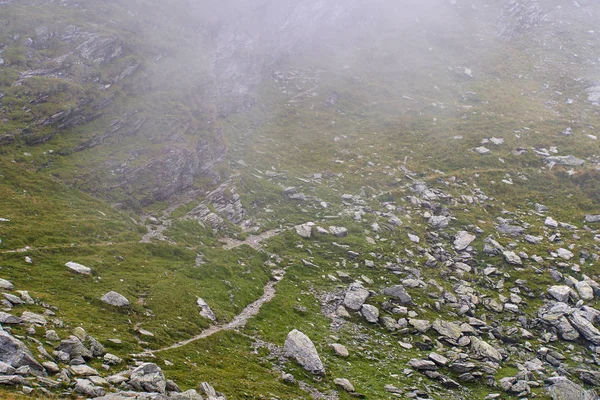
column 310, row 199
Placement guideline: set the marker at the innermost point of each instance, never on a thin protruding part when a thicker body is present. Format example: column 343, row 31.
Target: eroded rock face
column 299, row 347
column 14, row 353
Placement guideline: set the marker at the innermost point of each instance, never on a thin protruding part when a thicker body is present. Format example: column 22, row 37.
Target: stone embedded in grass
column 512, row 258
column 299, row 347
column 438, row 221
column 78, row 268
column 338, row 231
column 569, row 161
column 344, row 384
column 33, row 318
column 205, row 310
column 6, row 318
column 340, row 350
column 481, row 150
column 6, row 285
column 592, row 218
column 115, row 299
column 463, row 239
column 304, row 230
column 398, row 293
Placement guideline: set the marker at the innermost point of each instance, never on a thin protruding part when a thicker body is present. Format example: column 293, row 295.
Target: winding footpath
column 239, row 321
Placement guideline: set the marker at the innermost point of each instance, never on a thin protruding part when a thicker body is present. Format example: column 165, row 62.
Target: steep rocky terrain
column 300, row 199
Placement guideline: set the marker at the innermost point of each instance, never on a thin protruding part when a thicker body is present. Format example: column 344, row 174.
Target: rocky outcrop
column 14, row 353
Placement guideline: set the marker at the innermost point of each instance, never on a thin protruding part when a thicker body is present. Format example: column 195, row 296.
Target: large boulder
column 14, row 353
column 447, row 329
column 205, row 310
column 398, row 293
column 299, row 347
column 585, row 327
column 74, row 348
column 148, row 377
column 484, row 350
column 463, row 239
column 355, row 297
column 115, row 299
column 563, row 389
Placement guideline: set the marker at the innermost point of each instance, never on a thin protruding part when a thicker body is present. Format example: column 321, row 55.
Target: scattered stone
column 398, row 293
column 340, row 350
column 304, row 230
column 6, row 285
column 205, row 310
column 8, row 319
column 463, row 239
column 512, row 258
column 115, row 299
column 485, row 350
column 338, row 231
column 33, row 318
column 78, row 268
column 344, row 384
column 448, row 329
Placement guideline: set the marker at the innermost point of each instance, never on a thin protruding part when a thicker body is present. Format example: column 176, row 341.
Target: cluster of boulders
column 66, row 368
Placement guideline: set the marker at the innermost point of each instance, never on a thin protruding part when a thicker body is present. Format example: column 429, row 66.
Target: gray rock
column 484, row 350
column 533, row 239
column 448, row 329
column 512, row 230
column 438, row 222
column 148, row 377
column 481, row 150
column 438, row 359
column 565, row 254
column 371, row 313
column 512, row 258
column 299, row 347
column 586, row 292
column 570, row 160
column 338, row 231
column 340, row 350
column 398, row 293
column 355, row 297
column 564, row 389
column 84, row 370
column 205, row 310
column 14, row 353
column 585, row 327
column 304, row 230
column 463, row 239
column 560, row 293
column 422, row 365
column 344, row 384
column 592, row 218
column 191, row 394
column 6, row 369
column 13, row 380
column 115, row 299
column 87, row 388
column 6, row 318
column 420, row 325
column 78, row 268
column 6, row 285
column 74, row 348
column 566, row 330
column 33, row 318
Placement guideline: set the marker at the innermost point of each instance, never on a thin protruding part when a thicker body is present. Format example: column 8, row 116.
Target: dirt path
column 252, row 241
column 238, row 321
